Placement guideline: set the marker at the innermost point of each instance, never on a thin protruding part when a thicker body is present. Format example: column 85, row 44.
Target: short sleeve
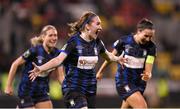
column 152, row 50
column 118, row 45
column 29, row 54
column 68, row 47
column 102, row 47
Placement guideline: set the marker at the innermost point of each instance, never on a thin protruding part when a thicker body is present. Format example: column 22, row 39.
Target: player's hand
column 8, row 90
column 99, row 76
column 146, row 76
column 122, row 60
column 35, row 72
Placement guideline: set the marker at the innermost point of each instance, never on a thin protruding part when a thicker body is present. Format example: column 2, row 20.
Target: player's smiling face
column 50, row 38
column 94, row 27
column 145, row 35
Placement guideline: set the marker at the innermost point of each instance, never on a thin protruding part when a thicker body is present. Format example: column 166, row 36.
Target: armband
column 150, row 59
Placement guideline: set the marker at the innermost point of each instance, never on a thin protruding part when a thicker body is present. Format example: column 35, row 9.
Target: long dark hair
column 80, row 24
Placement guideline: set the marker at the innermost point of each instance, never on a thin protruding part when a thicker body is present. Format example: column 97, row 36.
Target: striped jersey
column 82, row 57
column 136, row 55
column 39, row 86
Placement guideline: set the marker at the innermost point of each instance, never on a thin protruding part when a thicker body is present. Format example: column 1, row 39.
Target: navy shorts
column 29, row 101
column 78, row 100
column 126, row 90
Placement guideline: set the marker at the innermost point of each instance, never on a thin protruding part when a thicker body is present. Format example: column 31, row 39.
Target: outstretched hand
column 35, row 72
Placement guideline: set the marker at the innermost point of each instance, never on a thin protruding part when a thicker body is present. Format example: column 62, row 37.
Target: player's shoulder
column 123, row 39
column 152, row 44
column 73, row 39
column 36, row 48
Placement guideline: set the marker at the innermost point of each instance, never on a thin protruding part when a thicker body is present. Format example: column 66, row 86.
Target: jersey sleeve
column 29, row 54
column 118, row 45
column 151, row 54
column 102, row 47
column 152, row 50
column 68, row 47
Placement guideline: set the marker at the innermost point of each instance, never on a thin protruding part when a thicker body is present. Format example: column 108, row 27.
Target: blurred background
column 21, row 20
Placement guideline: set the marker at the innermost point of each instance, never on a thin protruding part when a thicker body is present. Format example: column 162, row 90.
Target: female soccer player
column 140, row 53
column 36, row 94
column 79, row 56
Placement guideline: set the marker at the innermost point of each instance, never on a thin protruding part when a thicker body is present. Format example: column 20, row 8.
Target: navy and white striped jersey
column 136, row 55
column 80, row 64
column 39, row 86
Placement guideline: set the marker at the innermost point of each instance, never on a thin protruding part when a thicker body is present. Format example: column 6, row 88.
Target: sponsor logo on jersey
column 87, row 62
column 134, row 62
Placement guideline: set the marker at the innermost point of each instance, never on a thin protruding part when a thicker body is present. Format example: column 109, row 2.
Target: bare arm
column 50, row 64
column 60, row 74
column 110, row 56
column 19, row 61
column 147, row 74
column 53, row 62
column 106, row 63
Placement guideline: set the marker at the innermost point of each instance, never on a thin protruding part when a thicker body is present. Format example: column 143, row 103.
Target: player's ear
column 87, row 27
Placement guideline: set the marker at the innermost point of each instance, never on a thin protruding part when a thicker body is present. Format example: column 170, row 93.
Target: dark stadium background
column 22, row 19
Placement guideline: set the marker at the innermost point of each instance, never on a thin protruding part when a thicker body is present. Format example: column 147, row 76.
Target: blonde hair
column 37, row 40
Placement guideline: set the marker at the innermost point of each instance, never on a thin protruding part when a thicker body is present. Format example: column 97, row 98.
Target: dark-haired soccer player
column 140, row 53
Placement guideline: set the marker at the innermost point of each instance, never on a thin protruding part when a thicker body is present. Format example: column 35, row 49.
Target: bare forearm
column 112, row 57
column 51, row 64
column 103, row 66
column 12, row 73
column 61, row 74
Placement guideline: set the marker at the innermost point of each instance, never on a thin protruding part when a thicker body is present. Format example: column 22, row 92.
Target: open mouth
column 98, row 31
column 53, row 42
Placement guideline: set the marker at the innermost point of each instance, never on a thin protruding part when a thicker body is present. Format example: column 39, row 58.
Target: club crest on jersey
column 127, row 48
column 40, row 59
column 144, row 52
column 79, row 49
